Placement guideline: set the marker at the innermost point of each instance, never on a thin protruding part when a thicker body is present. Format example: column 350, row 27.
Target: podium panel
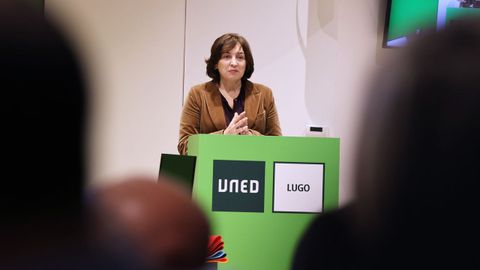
column 261, row 192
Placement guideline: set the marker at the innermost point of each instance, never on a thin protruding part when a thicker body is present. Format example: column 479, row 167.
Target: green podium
column 261, row 192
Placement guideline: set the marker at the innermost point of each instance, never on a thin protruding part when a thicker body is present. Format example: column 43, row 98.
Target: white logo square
column 298, row 187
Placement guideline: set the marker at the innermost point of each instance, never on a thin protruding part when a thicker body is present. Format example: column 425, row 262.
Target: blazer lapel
column 214, row 106
column 252, row 102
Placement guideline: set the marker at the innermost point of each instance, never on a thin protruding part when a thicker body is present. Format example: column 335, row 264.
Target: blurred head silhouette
column 417, row 173
column 159, row 222
column 43, row 110
column 42, row 118
column 42, row 222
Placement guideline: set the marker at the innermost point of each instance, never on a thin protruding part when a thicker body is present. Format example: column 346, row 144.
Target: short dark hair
column 417, row 163
column 225, row 43
column 43, row 113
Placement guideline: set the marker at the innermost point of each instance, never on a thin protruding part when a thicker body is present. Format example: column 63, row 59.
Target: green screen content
column 407, row 19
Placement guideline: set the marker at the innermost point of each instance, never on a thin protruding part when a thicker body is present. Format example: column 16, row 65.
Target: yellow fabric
column 203, row 112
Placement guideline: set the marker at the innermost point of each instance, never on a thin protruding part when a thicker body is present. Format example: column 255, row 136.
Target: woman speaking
column 229, row 104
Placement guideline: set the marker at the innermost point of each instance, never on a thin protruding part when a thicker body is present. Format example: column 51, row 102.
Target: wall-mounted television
column 407, row 19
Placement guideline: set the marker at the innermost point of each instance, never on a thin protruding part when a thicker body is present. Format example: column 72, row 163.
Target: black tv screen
column 407, row 19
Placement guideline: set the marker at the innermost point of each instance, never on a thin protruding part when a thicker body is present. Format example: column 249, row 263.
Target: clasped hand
column 238, row 125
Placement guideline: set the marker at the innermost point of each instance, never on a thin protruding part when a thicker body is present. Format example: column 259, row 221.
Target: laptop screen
column 179, row 168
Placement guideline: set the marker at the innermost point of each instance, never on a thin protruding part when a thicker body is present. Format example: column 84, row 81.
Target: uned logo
column 235, row 186
column 238, row 186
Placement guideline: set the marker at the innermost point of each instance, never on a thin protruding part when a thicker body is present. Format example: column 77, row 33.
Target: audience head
column 158, row 220
column 42, row 114
column 42, row 118
column 417, row 173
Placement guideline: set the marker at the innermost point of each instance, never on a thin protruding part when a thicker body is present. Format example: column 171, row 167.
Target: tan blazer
column 203, row 112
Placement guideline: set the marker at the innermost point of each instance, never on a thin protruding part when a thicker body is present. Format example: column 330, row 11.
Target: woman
column 229, row 104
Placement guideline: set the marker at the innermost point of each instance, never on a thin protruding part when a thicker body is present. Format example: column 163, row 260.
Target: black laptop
column 179, row 168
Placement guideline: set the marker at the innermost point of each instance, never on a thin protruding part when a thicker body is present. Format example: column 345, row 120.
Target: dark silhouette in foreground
column 417, row 176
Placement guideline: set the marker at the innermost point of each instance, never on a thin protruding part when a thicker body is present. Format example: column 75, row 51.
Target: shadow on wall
column 320, row 50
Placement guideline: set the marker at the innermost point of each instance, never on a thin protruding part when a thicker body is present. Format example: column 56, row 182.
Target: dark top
column 327, row 243
column 238, row 106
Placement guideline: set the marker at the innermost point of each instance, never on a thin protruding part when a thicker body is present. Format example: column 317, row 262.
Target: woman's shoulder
column 258, row 87
column 206, row 86
column 202, row 90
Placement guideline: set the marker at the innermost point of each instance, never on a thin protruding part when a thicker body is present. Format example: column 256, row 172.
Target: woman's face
column 231, row 65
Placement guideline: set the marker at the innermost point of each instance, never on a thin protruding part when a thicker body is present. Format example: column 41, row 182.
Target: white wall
column 134, row 56
column 315, row 54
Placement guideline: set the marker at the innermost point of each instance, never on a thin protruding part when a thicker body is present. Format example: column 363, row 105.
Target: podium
column 261, row 192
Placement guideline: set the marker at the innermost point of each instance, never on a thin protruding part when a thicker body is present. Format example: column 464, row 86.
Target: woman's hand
column 238, row 125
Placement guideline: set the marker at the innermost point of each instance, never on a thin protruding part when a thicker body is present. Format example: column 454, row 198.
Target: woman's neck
column 230, row 87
